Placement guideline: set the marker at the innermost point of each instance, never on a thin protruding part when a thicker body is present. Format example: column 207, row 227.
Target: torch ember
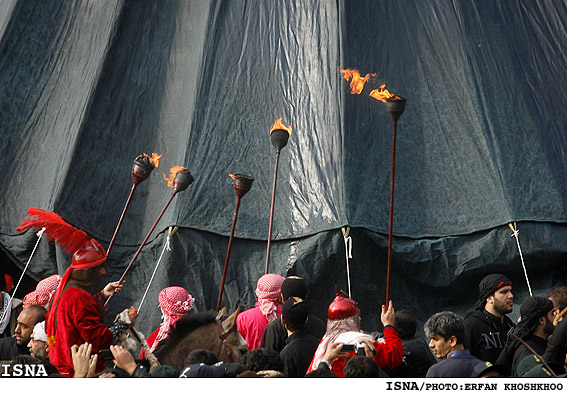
column 141, row 170
column 143, row 166
column 279, row 134
column 179, row 178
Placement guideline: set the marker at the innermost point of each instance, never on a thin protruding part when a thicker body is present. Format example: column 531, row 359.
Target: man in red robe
column 74, row 315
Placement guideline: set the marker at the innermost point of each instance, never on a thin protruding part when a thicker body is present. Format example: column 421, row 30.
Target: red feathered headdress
column 86, row 252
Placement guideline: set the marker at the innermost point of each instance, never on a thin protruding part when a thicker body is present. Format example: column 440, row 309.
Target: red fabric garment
column 389, row 353
column 78, row 321
column 252, row 323
column 150, row 340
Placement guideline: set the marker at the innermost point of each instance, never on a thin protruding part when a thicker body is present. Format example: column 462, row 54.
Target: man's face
column 440, row 346
column 26, row 321
column 503, row 300
column 38, row 349
column 549, row 327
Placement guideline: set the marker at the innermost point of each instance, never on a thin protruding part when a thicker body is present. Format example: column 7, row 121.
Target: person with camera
column 344, row 339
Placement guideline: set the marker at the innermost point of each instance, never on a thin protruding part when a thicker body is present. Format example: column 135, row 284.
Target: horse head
column 234, row 346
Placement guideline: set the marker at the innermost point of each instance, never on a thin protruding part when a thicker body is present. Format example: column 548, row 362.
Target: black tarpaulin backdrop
column 88, row 86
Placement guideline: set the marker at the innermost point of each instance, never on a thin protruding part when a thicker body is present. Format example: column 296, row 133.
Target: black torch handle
column 272, row 212
column 390, row 225
column 228, row 253
column 111, row 244
column 142, row 245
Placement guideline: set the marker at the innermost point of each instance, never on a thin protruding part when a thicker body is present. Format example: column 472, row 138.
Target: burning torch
column 279, row 135
column 141, row 170
column 242, row 184
column 179, row 179
column 395, row 107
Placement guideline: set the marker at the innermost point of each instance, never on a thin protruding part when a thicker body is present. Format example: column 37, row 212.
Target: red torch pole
column 279, row 138
column 140, row 172
column 182, row 180
column 395, row 108
column 242, row 185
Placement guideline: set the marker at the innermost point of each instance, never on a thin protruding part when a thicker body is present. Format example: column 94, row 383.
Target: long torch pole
column 111, row 244
column 391, row 220
column 395, row 108
column 272, row 211
column 179, row 185
column 228, row 253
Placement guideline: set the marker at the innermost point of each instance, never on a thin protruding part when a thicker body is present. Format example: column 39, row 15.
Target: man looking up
column 487, row 326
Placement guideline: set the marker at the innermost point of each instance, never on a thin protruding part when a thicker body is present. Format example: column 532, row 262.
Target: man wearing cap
column 300, row 346
column 446, row 331
column 275, row 334
column 535, row 326
column 343, row 327
column 74, row 314
column 253, row 322
column 487, row 326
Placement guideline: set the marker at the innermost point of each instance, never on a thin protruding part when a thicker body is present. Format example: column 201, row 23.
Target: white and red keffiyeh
column 174, row 302
column 268, row 291
column 49, row 284
column 37, row 297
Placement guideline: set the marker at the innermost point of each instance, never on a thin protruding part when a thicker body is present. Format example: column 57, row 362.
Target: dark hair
column 40, row 312
column 262, row 359
column 361, row 367
column 445, row 324
column 199, row 356
column 405, row 324
column 294, row 314
column 321, row 373
column 559, row 297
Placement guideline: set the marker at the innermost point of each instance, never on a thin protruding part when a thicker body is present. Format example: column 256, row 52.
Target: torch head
column 142, row 169
column 395, row 107
column 182, row 180
column 279, row 138
column 242, row 184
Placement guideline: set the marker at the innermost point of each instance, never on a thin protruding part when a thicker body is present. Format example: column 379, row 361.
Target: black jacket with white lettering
column 485, row 334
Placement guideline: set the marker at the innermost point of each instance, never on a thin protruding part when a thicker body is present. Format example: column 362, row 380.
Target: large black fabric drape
column 88, row 86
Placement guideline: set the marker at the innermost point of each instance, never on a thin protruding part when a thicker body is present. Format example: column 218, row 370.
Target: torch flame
column 153, row 159
column 356, row 81
column 172, row 174
column 382, row 94
column 278, row 125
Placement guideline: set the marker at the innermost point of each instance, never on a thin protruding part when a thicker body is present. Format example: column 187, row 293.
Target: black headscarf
column 531, row 310
column 488, row 286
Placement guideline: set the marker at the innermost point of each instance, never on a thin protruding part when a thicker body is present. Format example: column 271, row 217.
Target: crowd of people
column 59, row 328
column 284, row 339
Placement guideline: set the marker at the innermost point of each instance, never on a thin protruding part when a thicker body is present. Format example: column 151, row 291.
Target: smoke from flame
column 172, row 174
column 278, row 125
column 356, row 81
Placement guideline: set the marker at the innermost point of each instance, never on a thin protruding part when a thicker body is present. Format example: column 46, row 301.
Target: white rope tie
column 39, row 235
column 515, row 233
column 348, row 254
column 167, row 247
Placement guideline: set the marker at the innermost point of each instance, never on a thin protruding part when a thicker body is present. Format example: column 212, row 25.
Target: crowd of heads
column 449, row 345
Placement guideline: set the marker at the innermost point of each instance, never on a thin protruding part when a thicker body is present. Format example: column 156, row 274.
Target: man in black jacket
column 18, row 344
column 276, row 335
column 487, row 326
